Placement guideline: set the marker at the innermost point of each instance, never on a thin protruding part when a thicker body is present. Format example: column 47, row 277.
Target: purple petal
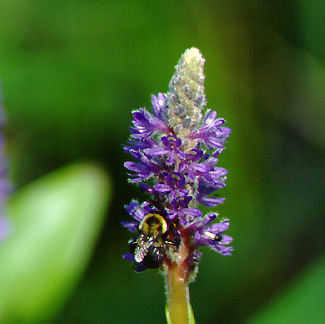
column 158, row 105
column 160, row 187
column 226, row 239
column 192, row 212
column 222, row 249
column 131, row 226
column 199, row 222
column 211, row 202
column 146, row 188
column 199, row 167
column 138, row 211
column 219, row 227
column 132, row 166
column 157, row 151
column 129, row 257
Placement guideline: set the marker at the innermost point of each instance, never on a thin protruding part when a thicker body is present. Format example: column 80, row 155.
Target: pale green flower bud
column 186, row 97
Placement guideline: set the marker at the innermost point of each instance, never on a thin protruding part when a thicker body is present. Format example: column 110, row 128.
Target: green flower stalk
column 176, row 149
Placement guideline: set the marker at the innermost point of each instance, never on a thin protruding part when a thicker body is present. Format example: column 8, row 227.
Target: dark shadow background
column 72, row 71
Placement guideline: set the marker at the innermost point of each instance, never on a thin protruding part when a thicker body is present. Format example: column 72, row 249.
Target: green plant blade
column 56, row 221
column 300, row 302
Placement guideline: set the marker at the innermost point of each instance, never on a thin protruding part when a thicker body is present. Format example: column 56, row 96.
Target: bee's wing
column 143, row 244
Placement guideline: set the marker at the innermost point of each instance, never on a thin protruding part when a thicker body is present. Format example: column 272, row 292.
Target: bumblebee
column 151, row 244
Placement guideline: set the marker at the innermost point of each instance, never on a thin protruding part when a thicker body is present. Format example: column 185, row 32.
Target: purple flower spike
column 176, row 148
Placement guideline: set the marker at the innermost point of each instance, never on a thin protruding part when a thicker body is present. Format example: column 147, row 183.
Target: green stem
column 178, row 306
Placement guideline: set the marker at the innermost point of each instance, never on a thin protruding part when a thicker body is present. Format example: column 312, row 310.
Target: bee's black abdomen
column 156, row 253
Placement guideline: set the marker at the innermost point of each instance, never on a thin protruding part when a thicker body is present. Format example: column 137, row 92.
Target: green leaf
column 301, row 302
column 56, row 221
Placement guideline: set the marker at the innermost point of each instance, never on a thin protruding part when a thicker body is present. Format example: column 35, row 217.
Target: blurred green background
column 72, row 71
